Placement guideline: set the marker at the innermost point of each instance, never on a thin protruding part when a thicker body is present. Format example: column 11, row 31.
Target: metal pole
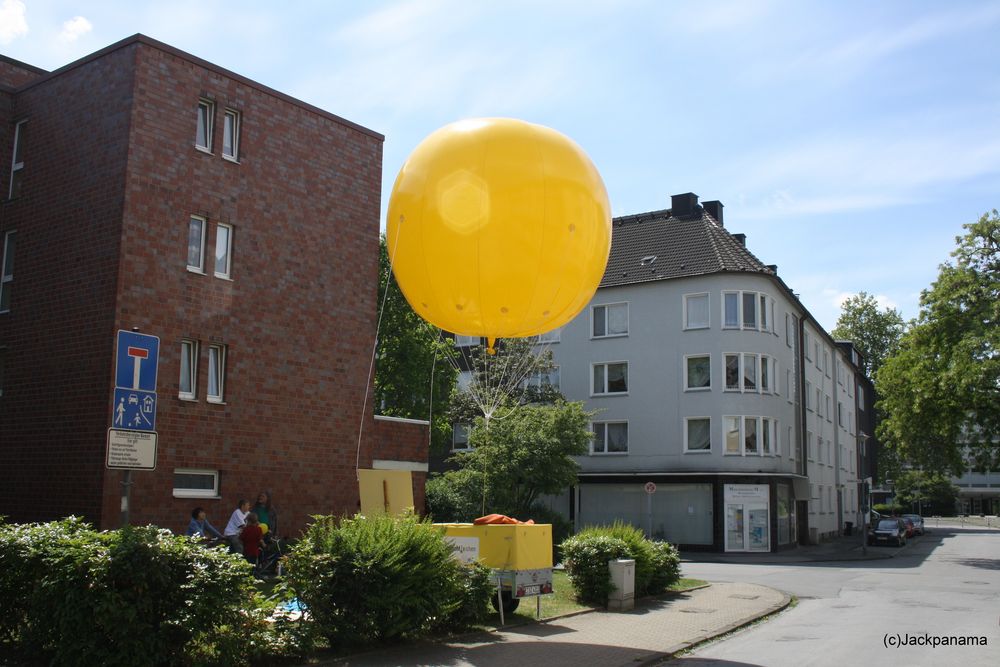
column 126, row 495
column 649, row 514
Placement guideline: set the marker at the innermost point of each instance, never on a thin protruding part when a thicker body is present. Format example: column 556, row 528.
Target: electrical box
column 622, row 598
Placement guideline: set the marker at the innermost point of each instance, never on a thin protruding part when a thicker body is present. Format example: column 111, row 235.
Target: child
column 252, row 537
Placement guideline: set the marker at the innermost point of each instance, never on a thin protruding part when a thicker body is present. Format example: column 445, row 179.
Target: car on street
column 918, row 522
column 888, row 531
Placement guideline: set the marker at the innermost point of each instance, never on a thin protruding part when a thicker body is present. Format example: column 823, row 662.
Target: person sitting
column 266, row 513
column 253, row 538
column 232, row 532
column 200, row 527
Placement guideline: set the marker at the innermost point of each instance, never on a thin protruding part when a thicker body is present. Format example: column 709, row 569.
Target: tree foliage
column 411, row 365
column 940, row 392
column 874, row 332
column 933, row 493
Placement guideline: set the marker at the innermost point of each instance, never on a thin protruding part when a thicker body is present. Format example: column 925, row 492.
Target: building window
column 826, row 362
column 861, row 398
column 231, row 135
column 189, row 370
column 829, row 411
column 460, row 438
column 806, row 347
column 696, row 311
column 464, row 380
column 17, row 160
column 549, row 378
column 732, row 372
column 698, row 434
column 750, row 436
column 749, row 310
column 733, row 432
column 809, row 446
column 791, row 445
column 809, row 400
column 206, row 117
column 611, row 378
column 698, row 372
column 788, row 329
column 749, row 372
column 223, row 249
column 818, row 357
column 610, row 320
column 731, row 310
column 819, row 402
column 764, row 322
column 466, row 341
column 788, row 385
column 840, row 413
column 7, row 269
column 190, row 483
column 196, row 244
column 216, row 373
column 765, row 375
column 553, row 336
column 610, row 438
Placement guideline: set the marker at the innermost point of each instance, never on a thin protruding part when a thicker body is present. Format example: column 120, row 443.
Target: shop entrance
column 748, row 524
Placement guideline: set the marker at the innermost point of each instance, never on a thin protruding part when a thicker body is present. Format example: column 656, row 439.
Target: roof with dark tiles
column 657, row 246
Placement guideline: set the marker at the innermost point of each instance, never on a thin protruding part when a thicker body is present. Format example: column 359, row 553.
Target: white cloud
column 74, row 28
column 13, row 22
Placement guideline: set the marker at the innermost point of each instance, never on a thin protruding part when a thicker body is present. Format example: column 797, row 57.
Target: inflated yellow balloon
column 498, row 228
column 263, row 529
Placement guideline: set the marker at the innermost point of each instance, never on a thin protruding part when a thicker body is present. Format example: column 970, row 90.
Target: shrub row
column 586, row 556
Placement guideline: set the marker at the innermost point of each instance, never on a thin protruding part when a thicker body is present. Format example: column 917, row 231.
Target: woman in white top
column 232, row 532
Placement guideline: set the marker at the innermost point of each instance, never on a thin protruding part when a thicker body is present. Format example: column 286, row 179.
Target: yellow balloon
column 498, row 228
column 263, row 529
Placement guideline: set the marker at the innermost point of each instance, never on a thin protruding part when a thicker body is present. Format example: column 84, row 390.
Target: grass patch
column 684, row 584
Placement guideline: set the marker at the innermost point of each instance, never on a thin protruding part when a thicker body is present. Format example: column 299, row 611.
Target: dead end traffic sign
column 131, row 450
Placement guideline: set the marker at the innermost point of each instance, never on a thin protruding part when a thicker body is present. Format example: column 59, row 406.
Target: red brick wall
column 403, row 441
column 59, row 331
column 14, row 73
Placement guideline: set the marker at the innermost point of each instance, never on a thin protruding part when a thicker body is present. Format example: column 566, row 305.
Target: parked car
column 911, row 528
column 918, row 522
column 889, row 531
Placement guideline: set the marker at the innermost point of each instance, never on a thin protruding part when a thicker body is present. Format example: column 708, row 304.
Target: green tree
column 875, row 333
column 519, row 458
column 413, row 378
column 940, row 392
column 917, row 490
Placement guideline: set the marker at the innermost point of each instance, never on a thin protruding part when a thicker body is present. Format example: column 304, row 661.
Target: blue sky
column 850, row 141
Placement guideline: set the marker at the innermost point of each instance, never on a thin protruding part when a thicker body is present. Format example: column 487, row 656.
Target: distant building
column 150, row 189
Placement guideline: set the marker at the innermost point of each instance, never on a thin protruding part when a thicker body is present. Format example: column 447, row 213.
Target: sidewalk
column 839, row 549
column 653, row 631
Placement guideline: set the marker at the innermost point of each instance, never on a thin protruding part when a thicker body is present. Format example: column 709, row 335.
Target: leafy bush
column 640, row 549
column 367, row 579
column 454, row 497
column 666, row 567
column 78, row 596
column 889, row 510
column 476, row 586
column 586, row 559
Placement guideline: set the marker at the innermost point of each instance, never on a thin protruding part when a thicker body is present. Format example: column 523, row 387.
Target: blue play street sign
column 136, row 362
column 134, row 409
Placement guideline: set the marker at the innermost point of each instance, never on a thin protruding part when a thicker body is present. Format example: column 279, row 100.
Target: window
column 861, row 398
column 553, row 336
column 788, row 329
column 231, row 135
column 763, row 313
column 610, row 320
column 17, row 160
column 206, row 117
column 809, row 400
column 732, row 426
column 750, row 436
column 611, row 378
column 698, row 372
column 460, row 437
column 819, row 402
column 196, row 244
column 765, row 436
column 216, row 372
column 223, row 249
column 829, row 410
column 749, row 372
column 788, row 384
column 610, row 438
column 818, row 358
column 765, row 375
column 190, row 483
column 464, row 380
column 749, row 310
column 809, row 445
column 466, row 341
column 733, row 372
column 731, row 309
column 840, row 413
column 806, row 346
column 791, row 445
column 696, row 311
column 548, row 378
column 698, row 434
column 7, row 269
column 189, row 369
column 826, row 362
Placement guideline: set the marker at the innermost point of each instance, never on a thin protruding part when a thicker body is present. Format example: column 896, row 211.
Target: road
column 943, row 585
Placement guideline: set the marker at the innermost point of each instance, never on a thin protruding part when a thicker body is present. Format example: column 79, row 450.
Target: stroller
column 269, row 561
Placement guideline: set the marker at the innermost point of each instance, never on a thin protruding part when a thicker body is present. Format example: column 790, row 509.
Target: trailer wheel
column 510, row 603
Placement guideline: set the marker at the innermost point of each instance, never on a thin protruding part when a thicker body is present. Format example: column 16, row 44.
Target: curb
column 673, row 651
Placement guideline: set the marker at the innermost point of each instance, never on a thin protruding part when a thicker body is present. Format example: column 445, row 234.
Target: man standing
column 232, row 532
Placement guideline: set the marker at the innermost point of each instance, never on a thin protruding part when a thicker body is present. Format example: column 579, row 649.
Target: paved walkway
column 654, row 630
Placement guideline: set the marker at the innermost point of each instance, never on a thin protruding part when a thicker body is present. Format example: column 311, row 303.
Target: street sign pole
column 126, row 496
column 650, row 490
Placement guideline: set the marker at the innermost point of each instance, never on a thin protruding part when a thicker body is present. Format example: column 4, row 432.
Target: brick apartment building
column 149, row 189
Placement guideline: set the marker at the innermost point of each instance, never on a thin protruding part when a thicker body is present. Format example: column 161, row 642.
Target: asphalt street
column 941, row 587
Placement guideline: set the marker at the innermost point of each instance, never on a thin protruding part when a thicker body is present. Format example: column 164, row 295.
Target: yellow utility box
column 502, row 546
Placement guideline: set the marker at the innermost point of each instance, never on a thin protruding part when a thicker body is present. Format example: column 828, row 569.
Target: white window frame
column 758, row 426
column 756, row 307
column 766, row 442
column 466, row 341
column 231, row 125
column 200, row 268
column 805, row 346
column 764, row 322
column 606, row 306
column 220, row 370
column 593, row 442
column 185, row 492
column 536, row 379
column 687, row 440
column 7, row 272
column 809, row 401
column 708, row 311
column 687, row 381
column 192, row 356
column 765, row 369
column 829, row 408
column 788, row 384
column 606, row 392
column 209, row 122
column 456, row 429
column 227, row 274
column 739, row 309
column 788, row 329
column 725, row 435
column 553, row 336
column 15, row 165
column 810, row 452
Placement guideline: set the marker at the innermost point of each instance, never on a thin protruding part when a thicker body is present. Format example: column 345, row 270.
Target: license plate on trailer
column 532, row 590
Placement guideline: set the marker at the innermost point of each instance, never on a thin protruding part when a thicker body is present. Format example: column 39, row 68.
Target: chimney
column 774, row 268
column 714, row 209
column 741, row 239
column 684, row 205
